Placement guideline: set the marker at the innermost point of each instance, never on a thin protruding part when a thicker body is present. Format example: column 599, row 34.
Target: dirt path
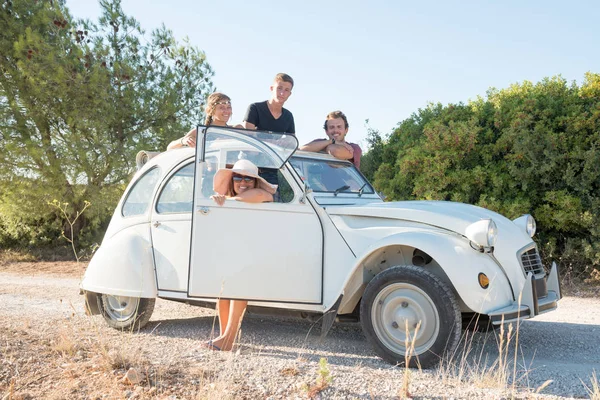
column 51, row 349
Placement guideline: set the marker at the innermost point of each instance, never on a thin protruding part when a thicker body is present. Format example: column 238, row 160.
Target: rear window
column 178, row 194
column 140, row 195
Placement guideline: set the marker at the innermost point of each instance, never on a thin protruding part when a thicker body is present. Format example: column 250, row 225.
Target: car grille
column 531, row 262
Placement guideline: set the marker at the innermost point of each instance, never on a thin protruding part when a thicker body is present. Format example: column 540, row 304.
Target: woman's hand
column 218, row 198
column 189, row 139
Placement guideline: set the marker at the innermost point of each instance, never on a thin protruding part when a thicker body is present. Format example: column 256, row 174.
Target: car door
column 171, row 229
column 261, row 252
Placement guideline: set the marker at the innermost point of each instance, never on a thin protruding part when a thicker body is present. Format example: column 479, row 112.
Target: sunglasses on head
column 239, row 178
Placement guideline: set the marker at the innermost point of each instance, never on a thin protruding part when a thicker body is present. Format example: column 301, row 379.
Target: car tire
column 406, row 295
column 125, row 313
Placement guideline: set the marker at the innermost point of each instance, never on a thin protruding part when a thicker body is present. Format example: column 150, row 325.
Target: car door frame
column 297, row 204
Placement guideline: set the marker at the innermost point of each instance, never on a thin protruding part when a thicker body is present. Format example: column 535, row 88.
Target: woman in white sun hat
column 240, row 183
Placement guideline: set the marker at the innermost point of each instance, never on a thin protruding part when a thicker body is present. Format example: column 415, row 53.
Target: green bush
column 530, row 148
column 27, row 221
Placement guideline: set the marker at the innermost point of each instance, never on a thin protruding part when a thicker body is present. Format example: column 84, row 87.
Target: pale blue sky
column 376, row 60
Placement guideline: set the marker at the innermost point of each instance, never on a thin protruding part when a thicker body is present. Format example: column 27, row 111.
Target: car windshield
column 331, row 176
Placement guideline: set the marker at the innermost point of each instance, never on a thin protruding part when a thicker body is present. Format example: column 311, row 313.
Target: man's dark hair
column 336, row 115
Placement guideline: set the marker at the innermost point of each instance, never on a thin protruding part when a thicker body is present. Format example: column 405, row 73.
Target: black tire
column 125, row 313
column 410, row 294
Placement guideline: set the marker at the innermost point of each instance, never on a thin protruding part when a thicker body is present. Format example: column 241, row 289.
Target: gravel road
column 279, row 357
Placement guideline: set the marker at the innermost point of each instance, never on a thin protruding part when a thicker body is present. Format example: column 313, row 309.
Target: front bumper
column 537, row 297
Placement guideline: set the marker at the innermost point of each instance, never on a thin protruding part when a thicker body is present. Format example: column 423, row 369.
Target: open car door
column 262, row 252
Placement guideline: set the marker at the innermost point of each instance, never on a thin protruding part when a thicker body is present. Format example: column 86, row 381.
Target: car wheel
column 393, row 304
column 123, row 312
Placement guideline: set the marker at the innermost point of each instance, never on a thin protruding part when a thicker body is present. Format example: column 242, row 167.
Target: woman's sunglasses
column 239, row 178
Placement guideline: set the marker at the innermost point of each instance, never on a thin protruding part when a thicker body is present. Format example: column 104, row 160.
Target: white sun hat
column 241, row 167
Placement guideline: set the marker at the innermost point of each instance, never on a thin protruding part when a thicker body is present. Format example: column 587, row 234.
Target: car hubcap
column 120, row 308
column 396, row 313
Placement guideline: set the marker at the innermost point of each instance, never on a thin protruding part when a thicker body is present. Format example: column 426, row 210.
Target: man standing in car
column 336, row 129
column 270, row 115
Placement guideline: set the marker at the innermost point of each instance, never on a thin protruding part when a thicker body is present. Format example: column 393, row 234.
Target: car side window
column 223, row 151
column 178, row 194
column 140, row 195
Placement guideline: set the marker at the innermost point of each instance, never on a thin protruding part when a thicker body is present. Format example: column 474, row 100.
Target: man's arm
column 251, row 117
column 342, row 151
column 248, row 125
column 316, row 145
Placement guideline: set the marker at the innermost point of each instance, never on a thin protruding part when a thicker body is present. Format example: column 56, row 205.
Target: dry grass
column 12, row 256
column 501, row 373
column 594, row 388
column 123, row 358
column 290, row 371
column 409, row 345
column 27, row 255
column 88, row 361
column 498, row 373
column 65, row 345
column 82, row 361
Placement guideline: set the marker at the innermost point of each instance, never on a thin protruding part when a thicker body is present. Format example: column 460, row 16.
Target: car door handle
column 156, row 224
column 203, row 210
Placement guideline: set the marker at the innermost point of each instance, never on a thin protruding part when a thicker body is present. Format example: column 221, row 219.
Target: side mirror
column 383, row 196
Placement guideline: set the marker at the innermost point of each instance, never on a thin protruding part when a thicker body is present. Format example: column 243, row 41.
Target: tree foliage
column 529, row 148
column 77, row 101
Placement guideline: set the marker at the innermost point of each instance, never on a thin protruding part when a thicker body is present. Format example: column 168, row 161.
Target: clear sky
column 375, row 60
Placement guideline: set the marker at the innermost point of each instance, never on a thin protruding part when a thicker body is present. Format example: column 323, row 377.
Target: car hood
column 442, row 214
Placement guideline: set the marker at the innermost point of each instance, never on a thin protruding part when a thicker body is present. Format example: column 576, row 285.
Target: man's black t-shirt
column 259, row 115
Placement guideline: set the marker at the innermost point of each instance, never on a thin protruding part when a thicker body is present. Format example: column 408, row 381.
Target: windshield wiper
column 361, row 190
column 341, row 189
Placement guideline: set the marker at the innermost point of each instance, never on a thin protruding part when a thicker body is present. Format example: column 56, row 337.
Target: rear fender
column 459, row 266
column 123, row 265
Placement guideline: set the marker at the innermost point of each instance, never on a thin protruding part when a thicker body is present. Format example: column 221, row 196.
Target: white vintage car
column 329, row 247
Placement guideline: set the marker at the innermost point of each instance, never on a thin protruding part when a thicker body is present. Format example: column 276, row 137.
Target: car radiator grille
column 532, row 262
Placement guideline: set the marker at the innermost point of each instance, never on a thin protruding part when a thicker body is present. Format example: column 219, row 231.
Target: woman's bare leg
column 223, row 312
column 236, row 313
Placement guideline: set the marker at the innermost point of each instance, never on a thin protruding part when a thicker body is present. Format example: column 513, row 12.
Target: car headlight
column 492, row 233
column 483, row 233
column 531, row 226
column 527, row 223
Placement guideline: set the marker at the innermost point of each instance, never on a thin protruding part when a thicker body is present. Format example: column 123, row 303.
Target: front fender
column 460, row 263
column 123, row 265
